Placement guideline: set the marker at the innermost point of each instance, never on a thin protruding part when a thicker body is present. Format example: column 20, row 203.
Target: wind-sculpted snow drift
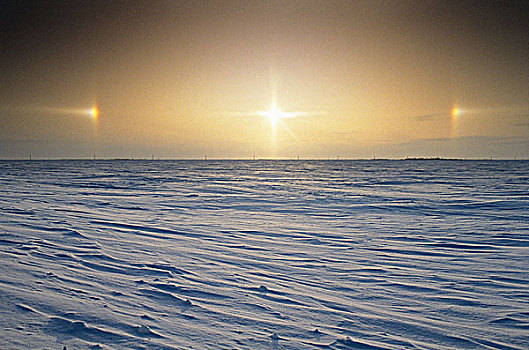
column 264, row 254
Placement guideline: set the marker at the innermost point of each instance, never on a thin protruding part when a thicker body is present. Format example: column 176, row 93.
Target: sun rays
column 276, row 118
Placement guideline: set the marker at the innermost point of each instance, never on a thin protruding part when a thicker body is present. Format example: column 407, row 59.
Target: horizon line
column 152, row 159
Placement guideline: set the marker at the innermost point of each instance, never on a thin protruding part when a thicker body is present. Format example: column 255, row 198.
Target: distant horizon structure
column 254, row 157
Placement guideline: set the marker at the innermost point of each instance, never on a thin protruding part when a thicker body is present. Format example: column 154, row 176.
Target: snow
column 264, row 254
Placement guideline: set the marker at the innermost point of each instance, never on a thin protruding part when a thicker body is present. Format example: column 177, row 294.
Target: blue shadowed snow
column 264, row 254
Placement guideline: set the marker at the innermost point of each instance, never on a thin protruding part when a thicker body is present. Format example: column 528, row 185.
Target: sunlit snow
column 264, row 254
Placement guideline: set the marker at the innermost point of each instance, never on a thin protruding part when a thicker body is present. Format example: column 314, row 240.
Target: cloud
column 487, row 139
column 42, row 148
column 439, row 139
column 344, row 132
column 426, row 117
column 457, row 147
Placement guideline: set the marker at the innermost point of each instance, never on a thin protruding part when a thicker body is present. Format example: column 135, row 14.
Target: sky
column 270, row 79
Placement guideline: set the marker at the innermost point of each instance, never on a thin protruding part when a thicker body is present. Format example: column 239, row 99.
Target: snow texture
column 264, row 254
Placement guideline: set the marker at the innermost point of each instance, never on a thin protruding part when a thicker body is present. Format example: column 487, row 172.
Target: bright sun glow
column 275, row 117
column 455, row 112
column 274, row 114
column 94, row 112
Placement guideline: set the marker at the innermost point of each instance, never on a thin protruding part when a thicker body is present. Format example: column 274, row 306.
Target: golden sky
column 182, row 79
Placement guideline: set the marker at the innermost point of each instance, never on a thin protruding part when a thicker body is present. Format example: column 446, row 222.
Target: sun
column 275, row 118
column 274, row 114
